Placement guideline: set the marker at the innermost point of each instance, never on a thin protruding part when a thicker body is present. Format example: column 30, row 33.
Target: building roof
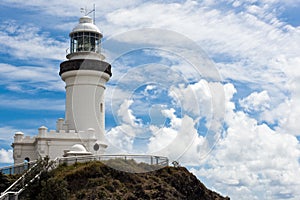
column 78, row 148
column 86, row 25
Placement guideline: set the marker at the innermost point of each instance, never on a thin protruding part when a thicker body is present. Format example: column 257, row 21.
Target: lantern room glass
column 85, row 41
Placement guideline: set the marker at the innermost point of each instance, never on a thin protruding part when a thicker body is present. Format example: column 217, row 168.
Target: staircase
column 28, row 177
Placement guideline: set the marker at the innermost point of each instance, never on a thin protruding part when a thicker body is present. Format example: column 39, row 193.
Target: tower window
column 101, row 107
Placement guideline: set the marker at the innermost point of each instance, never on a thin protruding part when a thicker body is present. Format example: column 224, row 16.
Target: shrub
column 4, row 182
column 53, row 189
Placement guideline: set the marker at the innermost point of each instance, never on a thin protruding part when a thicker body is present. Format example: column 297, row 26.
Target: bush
column 53, row 189
column 4, row 182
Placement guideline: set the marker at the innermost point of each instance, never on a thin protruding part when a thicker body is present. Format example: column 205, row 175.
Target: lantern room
column 85, row 37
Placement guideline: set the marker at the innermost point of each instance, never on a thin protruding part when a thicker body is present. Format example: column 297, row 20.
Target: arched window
column 101, row 107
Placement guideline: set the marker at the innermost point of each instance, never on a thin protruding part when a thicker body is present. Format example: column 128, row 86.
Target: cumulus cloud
column 119, row 139
column 194, row 98
column 253, row 161
column 285, row 116
column 256, row 101
column 122, row 136
column 245, row 160
column 6, row 156
column 201, row 98
column 255, row 158
column 125, row 113
column 179, row 142
column 161, row 138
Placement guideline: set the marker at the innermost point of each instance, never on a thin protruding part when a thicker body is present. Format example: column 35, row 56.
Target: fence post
column 151, row 160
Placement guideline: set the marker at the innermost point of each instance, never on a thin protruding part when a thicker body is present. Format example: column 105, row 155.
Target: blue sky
column 212, row 84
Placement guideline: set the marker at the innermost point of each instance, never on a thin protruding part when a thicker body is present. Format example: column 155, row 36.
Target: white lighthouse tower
column 82, row 131
column 85, row 74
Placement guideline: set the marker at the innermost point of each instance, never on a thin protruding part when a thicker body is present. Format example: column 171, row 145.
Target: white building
column 82, row 131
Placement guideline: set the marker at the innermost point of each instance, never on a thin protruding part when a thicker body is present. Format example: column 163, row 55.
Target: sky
column 214, row 85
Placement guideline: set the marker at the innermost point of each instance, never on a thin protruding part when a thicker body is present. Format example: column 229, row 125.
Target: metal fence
column 159, row 161
column 17, row 169
column 147, row 159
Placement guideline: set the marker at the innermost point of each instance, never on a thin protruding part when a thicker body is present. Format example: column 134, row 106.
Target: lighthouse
column 85, row 74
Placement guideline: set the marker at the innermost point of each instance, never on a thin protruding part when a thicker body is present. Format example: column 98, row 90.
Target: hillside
column 95, row 180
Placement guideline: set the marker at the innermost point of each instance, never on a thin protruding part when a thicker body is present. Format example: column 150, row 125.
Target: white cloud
column 175, row 121
column 148, row 89
column 172, row 140
column 202, row 100
column 184, row 143
column 115, row 93
column 71, row 7
column 28, row 73
column 179, row 142
column 26, row 41
column 125, row 113
column 120, row 140
column 252, row 161
column 161, row 138
column 194, row 98
column 6, row 156
column 286, row 115
column 36, row 78
column 253, row 42
column 53, row 7
column 121, row 137
column 256, row 101
column 31, row 104
column 255, row 158
column 243, row 35
column 7, row 133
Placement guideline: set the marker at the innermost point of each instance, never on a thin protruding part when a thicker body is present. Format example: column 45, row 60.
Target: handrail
column 19, row 179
